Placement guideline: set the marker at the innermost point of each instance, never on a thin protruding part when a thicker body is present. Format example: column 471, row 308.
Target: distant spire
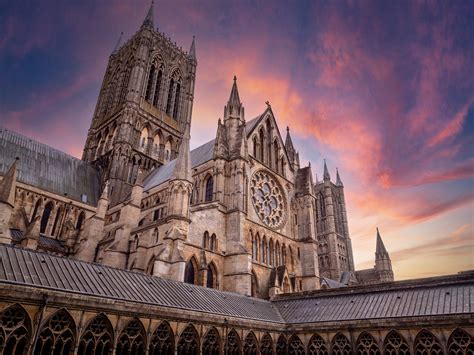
column 234, row 106
column 149, row 17
column 234, row 98
column 326, row 175
column 288, row 142
column 119, row 42
column 338, row 179
column 182, row 168
column 380, row 249
column 192, row 50
column 8, row 185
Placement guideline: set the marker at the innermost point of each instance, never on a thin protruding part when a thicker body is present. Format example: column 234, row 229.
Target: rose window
column 267, row 198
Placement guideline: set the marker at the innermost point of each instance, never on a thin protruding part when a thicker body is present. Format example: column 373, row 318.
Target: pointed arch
column 254, row 289
column 340, row 345
column 233, row 345
column 188, row 343
column 162, row 340
column 209, row 192
column 132, row 339
column 266, row 345
column 427, row 343
column 15, row 330
column 295, row 346
column 190, row 272
column 395, row 344
column 156, row 95
column 57, row 335
column 205, row 240
column 144, row 138
column 98, row 337
column 167, row 150
column 281, row 346
column 45, row 217
column 460, row 342
column 149, row 85
column 271, row 253
column 367, row 345
column 211, row 344
column 250, row 344
column 212, row 280
column 261, row 137
column 263, row 254
column 317, row 346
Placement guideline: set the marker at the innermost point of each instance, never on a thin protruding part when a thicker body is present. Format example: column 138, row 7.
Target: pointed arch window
column 170, row 96
column 295, row 346
column 156, row 95
column 149, row 85
column 57, row 335
column 98, row 338
column 276, row 154
column 188, row 341
column 460, row 342
column 15, row 330
column 426, row 343
column 341, row 345
column 255, row 144
column 266, row 345
column 162, row 341
column 209, row 189
column 366, row 344
column 211, row 276
column 233, row 345
column 132, row 339
column 56, row 221
column 45, row 218
column 322, row 206
column 254, row 285
column 212, row 342
column 176, row 100
column 205, row 240
column 317, row 346
column 262, row 145
column 395, row 344
column 281, row 346
column 190, row 272
column 250, row 345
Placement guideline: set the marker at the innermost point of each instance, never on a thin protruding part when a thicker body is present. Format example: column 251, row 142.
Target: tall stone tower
column 335, row 247
column 143, row 108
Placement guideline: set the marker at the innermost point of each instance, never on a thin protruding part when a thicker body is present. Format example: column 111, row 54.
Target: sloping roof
column 47, row 168
column 381, row 301
column 331, row 283
column 250, row 125
column 199, row 156
column 33, row 268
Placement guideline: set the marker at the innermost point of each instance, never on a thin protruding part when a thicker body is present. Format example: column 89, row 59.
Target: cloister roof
column 47, row 168
column 453, row 295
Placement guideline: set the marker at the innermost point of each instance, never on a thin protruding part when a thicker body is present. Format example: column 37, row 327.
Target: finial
column 117, row 45
column 267, row 103
column 235, row 78
column 287, row 128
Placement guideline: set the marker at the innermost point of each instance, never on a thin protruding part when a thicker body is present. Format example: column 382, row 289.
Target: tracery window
column 132, row 339
column 232, row 344
column 188, row 341
column 295, row 346
column 395, row 344
column 209, row 189
column 162, row 341
column 211, row 344
column 266, row 345
column 366, row 345
column 97, row 338
column 281, row 346
column 317, row 346
column 341, row 345
column 426, row 343
column 57, row 335
column 45, row 218
column 250, row 344
column 205, row 240
column 15, row 330
column 460, row 342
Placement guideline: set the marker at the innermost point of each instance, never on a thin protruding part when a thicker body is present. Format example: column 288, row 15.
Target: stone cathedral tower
column 143, row 108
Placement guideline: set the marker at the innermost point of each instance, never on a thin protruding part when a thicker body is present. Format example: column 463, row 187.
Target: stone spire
column 338, row 179
column 234, row 107
column 288, row 142
column 117, row 45
column 192, row 50
column 8, row 184
column 149, row 17
column 380, row 251
column 182, row 168
column 326, row 176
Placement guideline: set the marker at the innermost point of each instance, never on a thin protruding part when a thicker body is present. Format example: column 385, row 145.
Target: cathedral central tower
column 144, row 105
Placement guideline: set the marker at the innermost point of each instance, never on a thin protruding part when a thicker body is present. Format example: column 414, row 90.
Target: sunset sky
column 383, row 90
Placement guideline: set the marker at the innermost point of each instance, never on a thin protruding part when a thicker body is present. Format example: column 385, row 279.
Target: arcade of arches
column 63, row 331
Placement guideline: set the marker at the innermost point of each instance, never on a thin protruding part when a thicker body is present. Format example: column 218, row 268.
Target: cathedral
column 147, row 247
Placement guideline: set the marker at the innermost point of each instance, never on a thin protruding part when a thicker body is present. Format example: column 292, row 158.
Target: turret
column 7, row 201
column 234, row 108
column 383, row 264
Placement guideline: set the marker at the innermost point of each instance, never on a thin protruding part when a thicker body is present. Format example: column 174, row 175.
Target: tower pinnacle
column 380, row 248
column 234, row 106
column 326, row 175
column 338, row 179
column 182, row 168
column 149, row 17
column 192, row 50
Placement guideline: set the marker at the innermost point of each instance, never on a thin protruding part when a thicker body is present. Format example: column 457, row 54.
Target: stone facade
column 238, row 213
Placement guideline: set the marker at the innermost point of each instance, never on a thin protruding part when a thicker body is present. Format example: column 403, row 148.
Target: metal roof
column 47, row 168
column 33, row 268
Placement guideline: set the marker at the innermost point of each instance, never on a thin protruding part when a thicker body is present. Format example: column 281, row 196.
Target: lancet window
column 132, row 339
column 281, row 346
column 45, row 218
column 57, row 335
column 162, row 341
column 15, row 330
column 209, row 189
column 97, row 338
column 295, row 346
column 426, row 343
column 188, row 341
column 460, row 342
